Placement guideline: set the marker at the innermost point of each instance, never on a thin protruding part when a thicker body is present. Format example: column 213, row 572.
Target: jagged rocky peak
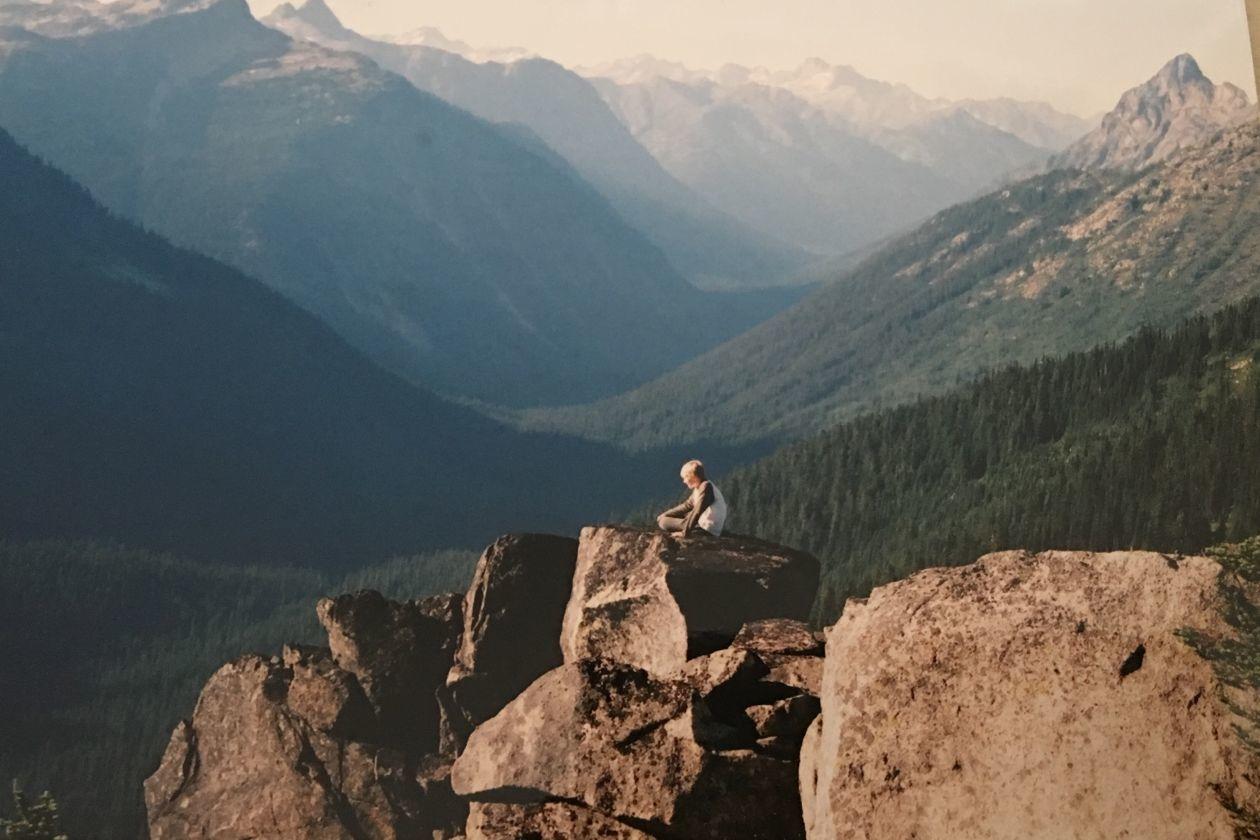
column 1176, row 108
column 1182, row 71
column 309, row 18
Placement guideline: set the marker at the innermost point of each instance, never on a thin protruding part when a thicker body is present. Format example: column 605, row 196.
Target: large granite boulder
column 652, row 600
column 631, row 747
column 511, row 629
column 1028, row 696
column 400, row 652
column 247, row 765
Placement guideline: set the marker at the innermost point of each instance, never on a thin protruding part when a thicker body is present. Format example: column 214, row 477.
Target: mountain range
column 462, row 255
column 566, row 112
column 822, row 156
column 862, row 101
column 1056, row 263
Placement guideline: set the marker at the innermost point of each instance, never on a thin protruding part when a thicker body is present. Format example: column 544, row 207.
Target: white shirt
column 713, row 518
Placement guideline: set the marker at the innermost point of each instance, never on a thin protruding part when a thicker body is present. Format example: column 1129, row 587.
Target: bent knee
column 660, row 523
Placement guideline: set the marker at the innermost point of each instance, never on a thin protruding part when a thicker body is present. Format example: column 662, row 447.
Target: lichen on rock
column 1028, row 695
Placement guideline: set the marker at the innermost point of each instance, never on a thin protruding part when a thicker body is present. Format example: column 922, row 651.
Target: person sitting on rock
column 705, row 508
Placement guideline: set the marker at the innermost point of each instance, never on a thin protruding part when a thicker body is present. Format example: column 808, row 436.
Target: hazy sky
column 1077, row 54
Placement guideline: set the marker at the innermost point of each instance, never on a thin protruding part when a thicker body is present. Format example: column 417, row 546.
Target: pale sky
column 1077, row 54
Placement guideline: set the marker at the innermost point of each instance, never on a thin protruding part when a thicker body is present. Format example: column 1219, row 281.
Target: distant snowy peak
column 642, row 69
column 311, row 21
column 75, row 18
column 1178, row 107
column 1036, row 123
column 314, row 14
column 314, row 20
column 843, row 90
column 428, row 36
column 866, row 103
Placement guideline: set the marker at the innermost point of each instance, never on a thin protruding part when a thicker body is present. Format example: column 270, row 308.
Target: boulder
column 633, row 747
column 400, row 652
column 649, row 599
column 791, row 650
column 802, row 673
column 777, row 636
column 786, row 718
column 325, row 696
column 545, row 821
column 512, row 616
column 246, row 765
column 732, row 680
column 1028, row 696
column 732, row 671
column 807, row 774
column 780, row 746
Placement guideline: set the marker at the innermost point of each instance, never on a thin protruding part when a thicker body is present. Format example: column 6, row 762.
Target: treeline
column 1150, row 443
column 103, row 649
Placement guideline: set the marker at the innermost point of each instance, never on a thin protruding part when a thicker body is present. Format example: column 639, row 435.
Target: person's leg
column 670, row 524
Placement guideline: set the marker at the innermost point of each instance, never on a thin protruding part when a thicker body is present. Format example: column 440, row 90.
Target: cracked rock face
column 511, row 630
column 363, row 739
column 247, row 765
column 648, row 599
column 400, row 653
column 546, row 821
column 640, row 750
column 1027, row 696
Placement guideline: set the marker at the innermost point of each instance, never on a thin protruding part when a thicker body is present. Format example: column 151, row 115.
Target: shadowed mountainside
column 464, row 256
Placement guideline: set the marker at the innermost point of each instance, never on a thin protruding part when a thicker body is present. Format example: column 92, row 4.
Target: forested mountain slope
column 459, row 254
column 156, row 396
column 1053, row 264
column 107, row 647
column 1151, row 443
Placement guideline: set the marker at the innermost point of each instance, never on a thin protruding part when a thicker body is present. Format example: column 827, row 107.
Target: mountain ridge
column 830, row 176
column 1048, row 265
column 1176, row 108
column 447, row 249
column 564, row 110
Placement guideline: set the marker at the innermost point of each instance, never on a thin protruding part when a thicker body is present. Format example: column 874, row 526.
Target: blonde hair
column 693, row 467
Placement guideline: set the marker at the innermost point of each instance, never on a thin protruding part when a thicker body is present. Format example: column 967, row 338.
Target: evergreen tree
column 36, row 820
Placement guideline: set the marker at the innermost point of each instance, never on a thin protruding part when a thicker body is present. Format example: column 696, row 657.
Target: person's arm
column 679, row 510
column 698, row 506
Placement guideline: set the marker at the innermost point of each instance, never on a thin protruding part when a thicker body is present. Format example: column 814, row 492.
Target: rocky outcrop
column 651, row 600
column 1027, row 696
column 1023, row 696
column 1177, row 108
column 511, row 628
column 343, row 742
column 400, row 653
column 633, row 748
column 249, row 765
